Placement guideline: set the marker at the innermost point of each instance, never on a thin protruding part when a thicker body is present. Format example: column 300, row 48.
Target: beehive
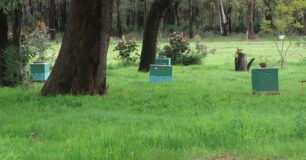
column 40, row 71
column 163, row 61
column 265, row 81
column 160, row 73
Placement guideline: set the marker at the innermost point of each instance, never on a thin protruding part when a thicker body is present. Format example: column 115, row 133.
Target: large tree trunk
column 250, row 20
column 149, row 46
column 81, row 66
column 3, row 42
column 190, row 10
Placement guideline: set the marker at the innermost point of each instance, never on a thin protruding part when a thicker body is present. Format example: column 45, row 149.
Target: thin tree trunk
column 17, row 18
column 140, row 15
column 3, row 42
column 145, row 11
column 63, row 15
column 176, row 9
column 190, row 10
column 119, row 22
column 223, row 19
column 250, row 19
column 31, row 7
column 52, row 19
column 149, row 46
column 17, row 21
column 220, row 19
column 81, row 66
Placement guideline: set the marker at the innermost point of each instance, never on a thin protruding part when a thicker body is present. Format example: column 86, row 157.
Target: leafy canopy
column 287, row 17
column 8, row 5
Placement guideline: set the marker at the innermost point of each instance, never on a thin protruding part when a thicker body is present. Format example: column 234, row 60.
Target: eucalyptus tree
column 80, row 68
column 153, row 22
column 7, row 6
column 286, row 23
column 250, row 19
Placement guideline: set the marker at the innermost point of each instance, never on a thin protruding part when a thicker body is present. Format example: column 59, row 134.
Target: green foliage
column 202, row 49
column 286, row 16
column 8, row 5
column 12, row 62
column 128, row 51
column 180, row 52
column 286, row 21
column 32, row 46
column 199, row 116
column 190, row 58
column 37, row 43
column 178, row 46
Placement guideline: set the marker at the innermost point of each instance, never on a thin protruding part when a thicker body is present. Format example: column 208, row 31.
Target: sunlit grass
column 207, row 112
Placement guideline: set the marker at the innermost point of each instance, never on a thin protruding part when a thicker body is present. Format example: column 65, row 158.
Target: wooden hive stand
column 302, row 85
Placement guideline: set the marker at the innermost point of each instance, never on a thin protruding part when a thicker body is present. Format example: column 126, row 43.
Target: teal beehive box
column 265, row 81
column 40, row 71
column 163, row 61
column 160, row 73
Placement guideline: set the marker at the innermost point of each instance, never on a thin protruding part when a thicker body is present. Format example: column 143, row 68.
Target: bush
column 32, row 46
column 13, row 72
column 178, row 46
column 201, row 48
column 180, row 52
column 190, row 58
column 128, row 52
column 37, row 43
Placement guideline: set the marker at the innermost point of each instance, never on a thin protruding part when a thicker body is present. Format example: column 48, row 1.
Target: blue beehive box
column 163, row 61
column 160, row 73
column 265, row 81
column 40, row 71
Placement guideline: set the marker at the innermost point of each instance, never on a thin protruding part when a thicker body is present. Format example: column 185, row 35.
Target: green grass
column 209, row 112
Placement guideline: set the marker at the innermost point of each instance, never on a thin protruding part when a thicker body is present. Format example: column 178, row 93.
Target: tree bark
column 63, row 15
column 176, row 9
column 52, row 20
column 119, row 21
column 149, row 46
column 250, row 19
column 3, row 42
column 31, row 7
column 17, row 19
column 223, row 20
column 81, row 66
column 16, row 29
column 169, row 17
column 190, row 10
column 140, row 15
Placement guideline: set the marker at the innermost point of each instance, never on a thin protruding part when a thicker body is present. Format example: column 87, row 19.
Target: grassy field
column 208, row 112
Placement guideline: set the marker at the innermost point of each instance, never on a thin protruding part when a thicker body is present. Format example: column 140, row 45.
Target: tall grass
column 208, row 112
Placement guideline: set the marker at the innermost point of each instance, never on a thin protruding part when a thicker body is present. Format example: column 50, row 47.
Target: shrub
column 13, row 65
column 190, row 58
column 201, row 48
column 37, row 43
column 128, row 52
column 180, row 52
column 32, row 46
column 178, row 46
